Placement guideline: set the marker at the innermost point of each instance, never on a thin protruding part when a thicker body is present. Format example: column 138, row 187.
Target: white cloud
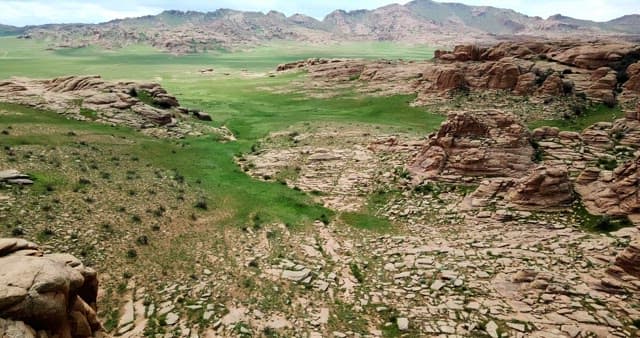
column 40, row 12
column 23, row 12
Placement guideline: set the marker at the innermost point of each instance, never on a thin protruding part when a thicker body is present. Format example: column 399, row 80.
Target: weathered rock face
column 593, row 55
column 616, row 193
column 54, row 293
column 491, row 143
column 629, row 259
column 569, row 69
column 145, row 106
column 545, row 187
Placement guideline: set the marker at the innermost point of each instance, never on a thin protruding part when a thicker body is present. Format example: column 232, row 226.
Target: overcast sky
column 28, row 12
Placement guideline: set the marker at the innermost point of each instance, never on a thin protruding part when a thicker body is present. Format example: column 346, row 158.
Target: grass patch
column 366, row 221
column 600, row 223
column 594, row 114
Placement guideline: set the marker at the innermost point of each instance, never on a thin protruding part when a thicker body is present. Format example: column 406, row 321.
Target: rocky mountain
column 419, row 21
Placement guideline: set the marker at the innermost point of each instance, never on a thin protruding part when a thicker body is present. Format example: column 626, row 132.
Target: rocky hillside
column 422, row 21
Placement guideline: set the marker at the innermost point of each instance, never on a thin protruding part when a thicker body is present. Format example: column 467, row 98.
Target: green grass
column 596, row 113
column 366, row 221
column 600, row 223
column 32, row 58
column 239, row 102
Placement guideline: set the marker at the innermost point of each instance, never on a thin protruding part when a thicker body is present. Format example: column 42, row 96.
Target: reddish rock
column 546, row 187
column 526, row 84
column 503, row 75
column 545, row 133
column 633, row 83
column 552, row 86
column 461, row 53
column 629, row 259
column 603, row 85
column 617, row 194
column 594, row 55
column 487, row 143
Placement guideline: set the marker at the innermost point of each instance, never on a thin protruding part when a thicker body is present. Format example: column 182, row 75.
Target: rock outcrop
column 145, row 106
column 488, row 143
column 545, row 187
column 611, row 193
column 629, row 259
column 46, row 295
column 574, row 70
column 14, row 177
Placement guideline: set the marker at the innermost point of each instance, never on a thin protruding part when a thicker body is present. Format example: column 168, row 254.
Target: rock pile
column 145, row 106
column 45, row 295
column 487, row 143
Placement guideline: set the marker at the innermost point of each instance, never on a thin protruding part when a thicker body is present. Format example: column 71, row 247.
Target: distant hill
column 419, row 21
column 10, row 30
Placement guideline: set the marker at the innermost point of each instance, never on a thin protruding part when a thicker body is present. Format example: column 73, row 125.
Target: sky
column 32, row 12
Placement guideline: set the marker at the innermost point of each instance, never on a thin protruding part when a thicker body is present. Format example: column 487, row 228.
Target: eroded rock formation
column 46, row 295
column 611, row 193
column 545, row 187
column 145, row 106
column 487, row 143
column 629, row 259
column 598, row 71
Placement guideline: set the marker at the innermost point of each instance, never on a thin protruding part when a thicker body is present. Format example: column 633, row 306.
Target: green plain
column 237, row 96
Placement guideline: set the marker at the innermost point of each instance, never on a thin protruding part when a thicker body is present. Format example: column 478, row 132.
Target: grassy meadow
column 235, row 96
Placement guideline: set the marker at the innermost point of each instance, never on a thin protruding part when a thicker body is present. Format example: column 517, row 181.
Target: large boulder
column 479, row 143
column 611, row 193
column 603, row 85
column 633, row 83
column 503, row 75
column 54, row 293
column 546, row 187
column 629, row 259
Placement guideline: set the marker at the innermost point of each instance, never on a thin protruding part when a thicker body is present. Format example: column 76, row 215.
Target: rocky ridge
column 46, row 295
column 565, row 76
column 144, row 106
column 419, row 21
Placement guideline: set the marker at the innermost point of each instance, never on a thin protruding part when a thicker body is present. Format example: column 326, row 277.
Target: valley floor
column 298, row 228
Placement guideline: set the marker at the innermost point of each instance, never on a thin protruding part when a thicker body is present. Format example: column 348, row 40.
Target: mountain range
column 419, row 21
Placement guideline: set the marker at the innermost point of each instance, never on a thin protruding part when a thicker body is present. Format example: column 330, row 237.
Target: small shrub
column 17, row 232
column 357, row 273
column 136, row 219
column 142, row 240
column 605, row 224
column 132, row 253
column 608, row 164
column 201, row 204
